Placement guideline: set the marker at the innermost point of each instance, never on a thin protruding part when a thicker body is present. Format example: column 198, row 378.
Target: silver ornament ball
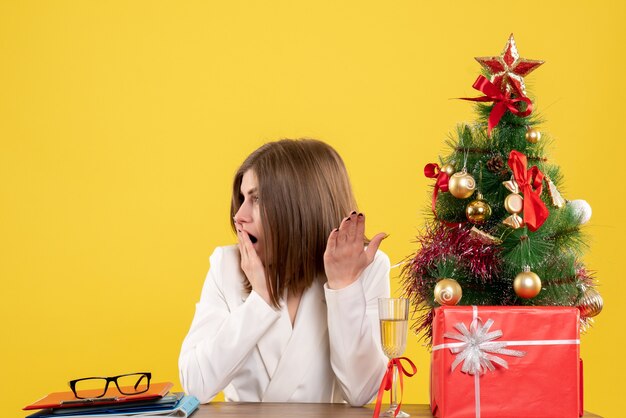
column 582, row 209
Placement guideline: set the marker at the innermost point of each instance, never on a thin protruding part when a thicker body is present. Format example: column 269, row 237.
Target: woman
column 289, row 314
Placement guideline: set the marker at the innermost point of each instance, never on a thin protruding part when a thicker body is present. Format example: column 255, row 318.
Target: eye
column 255, row 199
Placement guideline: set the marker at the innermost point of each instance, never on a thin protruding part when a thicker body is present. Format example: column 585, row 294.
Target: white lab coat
column 241, row 345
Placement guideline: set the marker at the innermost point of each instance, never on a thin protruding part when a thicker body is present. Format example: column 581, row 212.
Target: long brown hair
column 304, row 193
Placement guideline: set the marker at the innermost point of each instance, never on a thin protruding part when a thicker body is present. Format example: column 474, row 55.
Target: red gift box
column 506, row 362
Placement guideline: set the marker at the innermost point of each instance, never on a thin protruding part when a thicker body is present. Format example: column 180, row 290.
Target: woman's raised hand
column 251, row 263
column 345, row 257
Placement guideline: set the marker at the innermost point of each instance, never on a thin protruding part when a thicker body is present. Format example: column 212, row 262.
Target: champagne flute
column 394, row 320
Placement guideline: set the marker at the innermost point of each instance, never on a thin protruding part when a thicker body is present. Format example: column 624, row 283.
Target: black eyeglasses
column 96, row 387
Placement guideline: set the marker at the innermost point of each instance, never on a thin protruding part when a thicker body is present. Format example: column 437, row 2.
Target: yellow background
column 122, row 123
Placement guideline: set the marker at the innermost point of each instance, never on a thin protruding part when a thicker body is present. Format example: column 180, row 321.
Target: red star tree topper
column 507, row 70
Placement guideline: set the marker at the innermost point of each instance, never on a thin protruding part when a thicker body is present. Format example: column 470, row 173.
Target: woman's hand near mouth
column 251, row 264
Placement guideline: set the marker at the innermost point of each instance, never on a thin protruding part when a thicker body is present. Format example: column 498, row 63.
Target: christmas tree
column 500, row 232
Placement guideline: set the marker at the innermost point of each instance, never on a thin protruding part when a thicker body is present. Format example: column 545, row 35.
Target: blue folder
column 176, row 405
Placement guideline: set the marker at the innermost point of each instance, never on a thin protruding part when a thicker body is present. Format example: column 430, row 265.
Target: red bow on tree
column 432, row 171
column 530, row 183
column 502, row 102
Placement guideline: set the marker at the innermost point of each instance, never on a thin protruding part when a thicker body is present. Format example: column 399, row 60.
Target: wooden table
column 303, row 410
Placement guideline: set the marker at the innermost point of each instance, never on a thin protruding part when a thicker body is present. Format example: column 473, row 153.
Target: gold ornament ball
column 533, row 135
column 448, row 169
column 461, row 185
column 591, row 304
column 478, row 211
column 448, row 292
column 527, row 284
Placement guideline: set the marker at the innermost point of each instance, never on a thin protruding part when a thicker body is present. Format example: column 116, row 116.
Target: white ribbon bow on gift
column 477, row 348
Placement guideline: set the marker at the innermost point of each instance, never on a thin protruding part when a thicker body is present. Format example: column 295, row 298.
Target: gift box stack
column 498, row 284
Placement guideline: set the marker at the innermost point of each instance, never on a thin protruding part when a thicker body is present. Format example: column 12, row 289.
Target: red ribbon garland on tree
column 502, row 102
column 530, row 183
column 387, row 382
column 432, row 171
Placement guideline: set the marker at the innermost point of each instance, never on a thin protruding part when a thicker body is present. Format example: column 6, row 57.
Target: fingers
column 360, row 226
column 342, row 233
column 371, row 249
column 246, row 248
column 347, row 229
column 351, row 226
column 247, row 243
column 352, row 231
column 331, row 244
column 239, row 237
column 345, row 258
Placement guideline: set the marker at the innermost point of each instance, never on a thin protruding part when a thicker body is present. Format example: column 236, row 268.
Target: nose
column 243, row 214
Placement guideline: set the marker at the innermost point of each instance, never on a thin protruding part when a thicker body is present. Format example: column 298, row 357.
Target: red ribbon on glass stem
column 501, row 102
column 432, row 171
column 530, row 183
column 387, row 382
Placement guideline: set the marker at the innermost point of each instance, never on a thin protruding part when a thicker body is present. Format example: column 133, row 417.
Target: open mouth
column 253, row 239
